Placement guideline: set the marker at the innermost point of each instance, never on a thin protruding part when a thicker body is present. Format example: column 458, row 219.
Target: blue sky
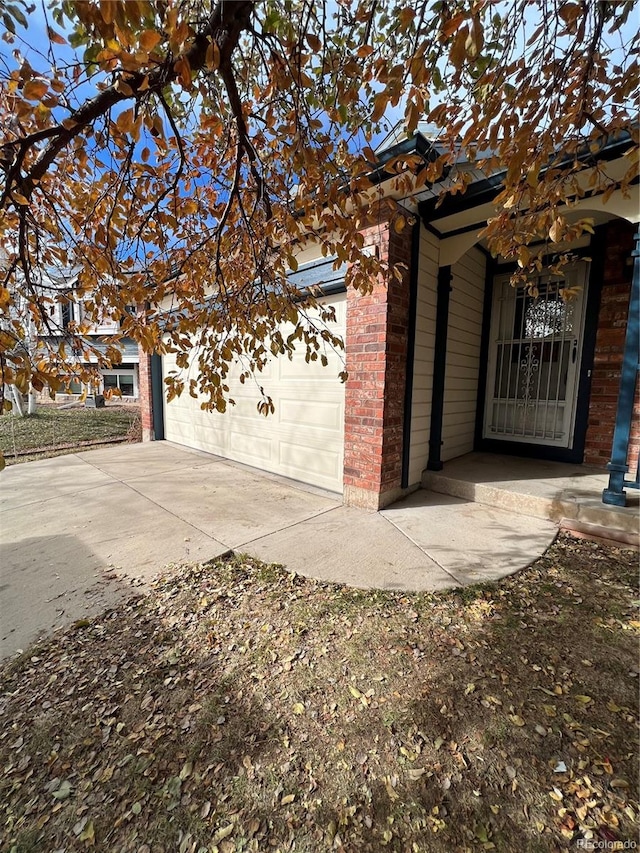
column 33, row 44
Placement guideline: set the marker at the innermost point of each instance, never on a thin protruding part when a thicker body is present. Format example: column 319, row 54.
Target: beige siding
column 463, row 354
column 424, row 352
column 302, row 439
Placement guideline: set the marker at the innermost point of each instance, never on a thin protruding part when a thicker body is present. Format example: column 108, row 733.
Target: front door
column 534, row 359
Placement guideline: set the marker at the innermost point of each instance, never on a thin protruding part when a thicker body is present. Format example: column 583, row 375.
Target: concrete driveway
column 77, row 531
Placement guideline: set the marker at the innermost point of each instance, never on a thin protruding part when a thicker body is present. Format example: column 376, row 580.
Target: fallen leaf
column 416, row 772
column 88, row 834
column 63, row 791
column 221, row 834
column 619, row 783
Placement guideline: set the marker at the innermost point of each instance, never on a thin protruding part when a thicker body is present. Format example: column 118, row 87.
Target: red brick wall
column 146, row 403
column 612, row 326
column 376, row 360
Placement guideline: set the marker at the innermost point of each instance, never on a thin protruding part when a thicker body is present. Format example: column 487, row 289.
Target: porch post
column 157, row 397
column 434, row 462
column 618, row 467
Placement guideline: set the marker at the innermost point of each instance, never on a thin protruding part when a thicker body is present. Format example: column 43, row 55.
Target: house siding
column 463, row 354
column 427, row 299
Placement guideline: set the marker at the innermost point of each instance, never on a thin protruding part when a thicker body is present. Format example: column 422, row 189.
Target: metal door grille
column 536, row 349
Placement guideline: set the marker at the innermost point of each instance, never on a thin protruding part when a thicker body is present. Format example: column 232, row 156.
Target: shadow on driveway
column 48, row 582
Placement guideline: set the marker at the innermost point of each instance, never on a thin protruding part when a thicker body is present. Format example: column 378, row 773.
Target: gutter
column 487, row 190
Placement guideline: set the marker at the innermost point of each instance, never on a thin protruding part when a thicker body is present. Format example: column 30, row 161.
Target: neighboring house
column 124, row 376
column 450, row 360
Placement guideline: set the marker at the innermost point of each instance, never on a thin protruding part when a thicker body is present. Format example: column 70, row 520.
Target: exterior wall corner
column 145, row 395
column 376, row 361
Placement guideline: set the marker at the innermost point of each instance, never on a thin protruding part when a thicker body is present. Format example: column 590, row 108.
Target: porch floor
column 569, row 495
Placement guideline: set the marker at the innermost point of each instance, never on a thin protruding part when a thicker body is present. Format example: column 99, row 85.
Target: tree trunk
column 17, row 401
column 32, row 401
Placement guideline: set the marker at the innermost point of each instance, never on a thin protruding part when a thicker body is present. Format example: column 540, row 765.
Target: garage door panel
column 319, row 414
column 299, row 370
column 208, row 436
column 244, row 409
column 299, row 463
column 250, row 446
column 302, row 439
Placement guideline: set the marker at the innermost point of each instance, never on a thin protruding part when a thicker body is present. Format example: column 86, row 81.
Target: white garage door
column 302, row 439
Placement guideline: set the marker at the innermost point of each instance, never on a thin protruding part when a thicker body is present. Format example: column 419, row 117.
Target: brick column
column 146, row 397
column 376, row 360
column 610, row 338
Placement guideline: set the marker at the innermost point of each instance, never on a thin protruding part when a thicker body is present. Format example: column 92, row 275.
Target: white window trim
column 127, row 371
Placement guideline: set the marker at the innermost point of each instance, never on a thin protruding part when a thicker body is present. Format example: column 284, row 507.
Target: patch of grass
column 240, row 708
column 52, row 430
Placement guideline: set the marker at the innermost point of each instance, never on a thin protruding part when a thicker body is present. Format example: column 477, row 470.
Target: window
column 120, row 380
column 66, row 313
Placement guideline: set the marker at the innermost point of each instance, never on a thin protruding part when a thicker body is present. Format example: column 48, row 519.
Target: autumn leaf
column 125, row 121
column 212, row 59
column 380, row 102
column 149, row 39
column 453, row 24
column 569, row 12
column 55, row 37
column 64, row 791
column 88, row 834
column 556, row 230
column 34, row 90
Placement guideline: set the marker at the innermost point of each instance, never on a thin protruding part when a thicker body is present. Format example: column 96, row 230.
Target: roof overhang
column 449, row 215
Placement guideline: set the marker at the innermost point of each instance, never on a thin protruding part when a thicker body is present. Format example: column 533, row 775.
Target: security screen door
column 534, row 359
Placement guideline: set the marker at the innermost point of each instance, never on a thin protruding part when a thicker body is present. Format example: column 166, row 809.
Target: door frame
column 575, row 453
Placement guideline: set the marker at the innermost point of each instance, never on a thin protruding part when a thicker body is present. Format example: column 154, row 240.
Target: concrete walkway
column 76, row 530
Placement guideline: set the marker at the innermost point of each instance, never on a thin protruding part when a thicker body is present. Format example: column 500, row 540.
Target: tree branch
column 227, row 21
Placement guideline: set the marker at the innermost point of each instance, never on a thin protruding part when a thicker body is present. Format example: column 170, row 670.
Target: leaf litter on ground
column 239, row 707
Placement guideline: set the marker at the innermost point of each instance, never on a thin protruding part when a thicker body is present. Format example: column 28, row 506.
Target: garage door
column 302, row 439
